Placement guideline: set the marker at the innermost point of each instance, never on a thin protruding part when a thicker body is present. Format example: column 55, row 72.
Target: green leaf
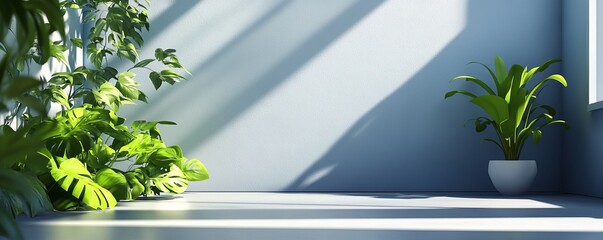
column 142, row 146
column 77, row 129
column 33, row 103
column 174, row 181
column 495, row 142
column 555, row 77
column 15, row 146
column 494, row 78
column 100, row 155
column 57, row 51
column 164, row 157
column 496, row 107
column 452, row 93
column 143, row 63
column 478, row 82
column 108, row 95
column 77, row 42
column 115, row 182
column 193, row 169
column 72, row 176
column 56, row 94
column 480, row 126
column 170, row 76
column 22, row 193
column 536, row 136
column 127, row 85
column 134, row 182
column 156, row 79
column 501, row 69
column 20, row 85
column 540, row 68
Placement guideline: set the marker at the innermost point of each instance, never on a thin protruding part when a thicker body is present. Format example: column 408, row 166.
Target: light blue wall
column 343, row 95
column 583, row 151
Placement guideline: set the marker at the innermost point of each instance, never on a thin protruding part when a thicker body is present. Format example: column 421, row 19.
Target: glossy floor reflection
column 201, row 215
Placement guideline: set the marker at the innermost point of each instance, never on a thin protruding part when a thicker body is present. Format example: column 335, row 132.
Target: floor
column 201, row 215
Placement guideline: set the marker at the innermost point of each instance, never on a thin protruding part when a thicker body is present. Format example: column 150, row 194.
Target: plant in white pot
column 514, row 116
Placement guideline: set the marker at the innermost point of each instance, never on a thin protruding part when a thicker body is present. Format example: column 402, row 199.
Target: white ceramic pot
column 512, row 177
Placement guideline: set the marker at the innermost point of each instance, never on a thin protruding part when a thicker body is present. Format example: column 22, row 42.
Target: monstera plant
column 512, row 107
column 67, row 160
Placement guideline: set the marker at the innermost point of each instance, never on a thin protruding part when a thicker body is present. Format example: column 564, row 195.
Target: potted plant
column 514, row 115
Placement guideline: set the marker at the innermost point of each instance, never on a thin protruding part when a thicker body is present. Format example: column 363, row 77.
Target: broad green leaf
column 170, row 76
column 164, row 157
column 113, row 181
column 536, row 136
column 72, row 176
column 142, row 146
column 63, row 200
column 77, row 42
column 517, row 106
column 22, row 193
column 496, row 107
column 77, row 129
column 20, row 85
column 100, row 155
column 174, row 181
column 555, row 77
column 57, row 95
column 16, row 145
column 127, row 85
column 108, row 95
column 136, row 187
column 156, row 79
column 540, row 68
column 33, row 103
column 57, row 51
column 501, row 69
column 193, row 169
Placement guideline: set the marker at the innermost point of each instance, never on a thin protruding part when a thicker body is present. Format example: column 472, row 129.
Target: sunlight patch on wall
column 301, row 118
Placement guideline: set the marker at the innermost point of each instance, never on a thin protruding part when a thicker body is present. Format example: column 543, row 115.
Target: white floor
column 200, row 215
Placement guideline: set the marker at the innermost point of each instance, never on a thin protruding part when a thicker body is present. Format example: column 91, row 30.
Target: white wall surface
column 343, row 95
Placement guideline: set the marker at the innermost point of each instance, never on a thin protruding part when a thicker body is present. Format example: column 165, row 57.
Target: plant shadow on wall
column 412, row 141
column 66, row 161
column 265, row 76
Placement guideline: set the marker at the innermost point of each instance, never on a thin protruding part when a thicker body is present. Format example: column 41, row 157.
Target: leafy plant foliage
column 511, row 108
column 66, row 161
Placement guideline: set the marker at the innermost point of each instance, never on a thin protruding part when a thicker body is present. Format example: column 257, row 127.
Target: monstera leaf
column 22, row 193
column 172, row 181
column 72, row 176
column 113, row 181
column 76, row 130
column 135, row 182
column 193, row 169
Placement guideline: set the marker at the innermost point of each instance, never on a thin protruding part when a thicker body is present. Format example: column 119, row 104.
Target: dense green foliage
column 511, row 106
column 67, row 161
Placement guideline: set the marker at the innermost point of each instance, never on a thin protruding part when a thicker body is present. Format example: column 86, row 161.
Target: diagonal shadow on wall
column 209, row 75
column 413, row 140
